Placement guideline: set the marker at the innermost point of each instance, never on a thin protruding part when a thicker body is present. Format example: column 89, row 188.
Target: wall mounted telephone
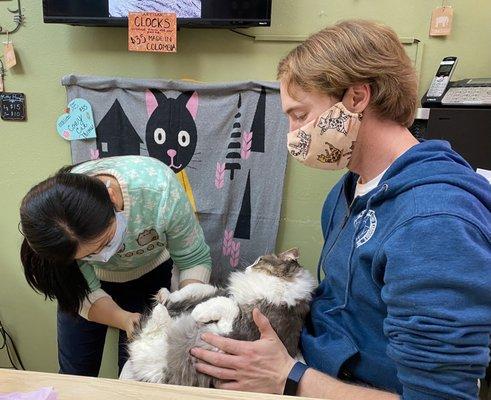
column 475, row 92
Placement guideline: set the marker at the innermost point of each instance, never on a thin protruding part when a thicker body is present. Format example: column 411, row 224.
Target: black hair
column 56, row 216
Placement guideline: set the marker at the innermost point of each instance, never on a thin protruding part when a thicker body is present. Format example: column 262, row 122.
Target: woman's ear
column 357, row 97
column 113, row 197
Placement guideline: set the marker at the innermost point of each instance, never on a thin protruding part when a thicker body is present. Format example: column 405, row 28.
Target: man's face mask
column 328, row 141
column 114, row 245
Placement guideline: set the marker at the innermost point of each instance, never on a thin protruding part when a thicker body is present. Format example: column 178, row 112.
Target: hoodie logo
column 369, row 225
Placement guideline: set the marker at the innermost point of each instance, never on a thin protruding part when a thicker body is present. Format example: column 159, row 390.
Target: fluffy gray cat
column 277, row 285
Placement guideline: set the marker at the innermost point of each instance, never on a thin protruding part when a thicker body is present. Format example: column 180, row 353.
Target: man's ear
column 357, row 97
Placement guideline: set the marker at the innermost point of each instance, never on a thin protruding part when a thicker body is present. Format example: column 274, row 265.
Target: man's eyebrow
column 292, row 108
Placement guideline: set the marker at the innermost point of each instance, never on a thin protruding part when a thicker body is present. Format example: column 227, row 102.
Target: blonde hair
column 354, row 52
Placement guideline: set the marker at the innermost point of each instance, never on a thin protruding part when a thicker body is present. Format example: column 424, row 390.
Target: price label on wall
column 152, row 32
column 441, row 21
column 13, row 106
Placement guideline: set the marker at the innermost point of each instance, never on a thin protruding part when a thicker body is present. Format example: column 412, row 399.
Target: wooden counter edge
column 71, row 387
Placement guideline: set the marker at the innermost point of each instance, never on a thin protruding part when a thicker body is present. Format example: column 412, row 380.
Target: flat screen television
column 190, row 13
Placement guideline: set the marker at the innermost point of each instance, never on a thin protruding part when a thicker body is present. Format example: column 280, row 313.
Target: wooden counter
column 71, row 387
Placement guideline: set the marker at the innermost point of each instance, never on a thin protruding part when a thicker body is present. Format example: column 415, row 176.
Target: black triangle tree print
column 243, row 226
column 258, row 127
column 116, row 135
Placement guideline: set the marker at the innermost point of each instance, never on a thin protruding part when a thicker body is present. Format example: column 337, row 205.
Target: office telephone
column 442, row 77
column 474, row 92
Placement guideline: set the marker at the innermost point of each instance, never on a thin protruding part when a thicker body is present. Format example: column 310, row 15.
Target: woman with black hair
column 101, row 238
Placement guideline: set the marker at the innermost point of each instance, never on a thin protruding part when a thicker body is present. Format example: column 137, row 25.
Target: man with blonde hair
column 404, row 309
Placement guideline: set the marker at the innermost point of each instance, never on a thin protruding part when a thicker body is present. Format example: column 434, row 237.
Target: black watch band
column 296, row 373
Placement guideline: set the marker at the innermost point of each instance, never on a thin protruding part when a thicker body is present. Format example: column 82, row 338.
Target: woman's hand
column 259, row 366
column 106, row 311
column 131, row 322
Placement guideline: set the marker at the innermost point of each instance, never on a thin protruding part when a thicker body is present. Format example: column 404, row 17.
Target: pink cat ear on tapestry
column 151, row 101
column 192, row 105
column 290, row 255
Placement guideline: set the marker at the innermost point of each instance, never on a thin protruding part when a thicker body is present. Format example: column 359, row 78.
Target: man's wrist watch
column 296, row 373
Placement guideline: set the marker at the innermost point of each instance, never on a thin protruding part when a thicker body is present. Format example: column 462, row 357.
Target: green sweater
column 161, row 224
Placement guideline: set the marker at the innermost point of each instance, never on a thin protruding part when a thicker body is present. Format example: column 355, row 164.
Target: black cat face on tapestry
column 171, row 134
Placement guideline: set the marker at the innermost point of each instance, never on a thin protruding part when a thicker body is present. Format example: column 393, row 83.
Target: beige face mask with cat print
column 328, row 141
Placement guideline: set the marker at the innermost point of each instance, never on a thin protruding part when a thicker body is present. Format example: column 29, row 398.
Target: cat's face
column 283, row 266
column 171, row 134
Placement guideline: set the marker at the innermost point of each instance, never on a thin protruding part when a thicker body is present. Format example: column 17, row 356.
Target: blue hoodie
column 405, row 304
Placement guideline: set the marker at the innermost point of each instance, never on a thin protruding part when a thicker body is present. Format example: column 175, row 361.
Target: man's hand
column 259, row 366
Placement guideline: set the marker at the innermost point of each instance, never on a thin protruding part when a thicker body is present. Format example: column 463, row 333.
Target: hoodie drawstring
column 381, row 189
column 328, row 226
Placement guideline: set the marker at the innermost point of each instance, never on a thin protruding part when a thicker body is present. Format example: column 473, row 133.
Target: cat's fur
column 277, row 285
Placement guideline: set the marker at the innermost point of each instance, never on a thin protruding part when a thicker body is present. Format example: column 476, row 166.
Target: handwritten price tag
column 9, row 54
column 152, row 32
column 13, row 106
column 78, row 122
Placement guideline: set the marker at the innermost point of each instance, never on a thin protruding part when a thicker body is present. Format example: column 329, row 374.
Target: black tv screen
column 190, row 13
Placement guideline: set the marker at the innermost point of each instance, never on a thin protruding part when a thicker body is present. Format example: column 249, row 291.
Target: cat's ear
column 290, row 255
column 192, row 105
column 192, row 101
column 153, row 98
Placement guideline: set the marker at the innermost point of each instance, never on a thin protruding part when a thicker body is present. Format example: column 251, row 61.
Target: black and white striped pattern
column 233, row 154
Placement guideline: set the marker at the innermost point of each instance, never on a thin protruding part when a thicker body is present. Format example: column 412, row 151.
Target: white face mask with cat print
column 328, row 141
column 115, row 244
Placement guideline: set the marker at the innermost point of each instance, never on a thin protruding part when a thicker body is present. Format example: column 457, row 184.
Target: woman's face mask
column 328, row 141
column 114, row 245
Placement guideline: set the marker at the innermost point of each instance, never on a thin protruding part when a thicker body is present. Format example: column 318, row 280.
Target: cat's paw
column 204, row 314
column 159, row 319
column 219, row 313
column 162, row 295
column 192, row 291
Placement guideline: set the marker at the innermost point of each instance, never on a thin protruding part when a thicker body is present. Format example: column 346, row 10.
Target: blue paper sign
column 78, row 122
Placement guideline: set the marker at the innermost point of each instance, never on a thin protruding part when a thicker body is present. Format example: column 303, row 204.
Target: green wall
column 31, row 150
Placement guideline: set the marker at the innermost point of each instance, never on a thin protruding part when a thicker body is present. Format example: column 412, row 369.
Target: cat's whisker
column 194, row 160
column 244, row 263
